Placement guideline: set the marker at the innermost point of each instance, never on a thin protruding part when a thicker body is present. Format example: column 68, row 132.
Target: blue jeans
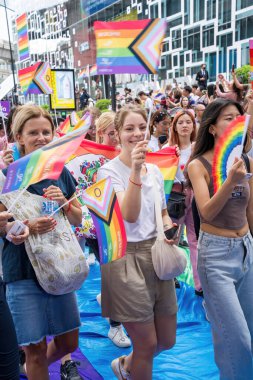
column 225, row 267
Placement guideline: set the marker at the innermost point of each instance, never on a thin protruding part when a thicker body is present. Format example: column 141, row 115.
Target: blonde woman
column 105, row 129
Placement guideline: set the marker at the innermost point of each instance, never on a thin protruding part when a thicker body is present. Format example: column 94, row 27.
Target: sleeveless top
column 233, row 214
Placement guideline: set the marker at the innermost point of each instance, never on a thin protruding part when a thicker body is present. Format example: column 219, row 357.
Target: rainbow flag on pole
column 23, row 40
column 43, row 163
column 102, row 203
column 132, row 47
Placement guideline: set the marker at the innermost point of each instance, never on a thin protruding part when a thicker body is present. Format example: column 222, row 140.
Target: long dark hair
column 205, row 140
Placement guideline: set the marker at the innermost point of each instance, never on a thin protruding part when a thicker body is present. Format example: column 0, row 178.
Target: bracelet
column 134, row 183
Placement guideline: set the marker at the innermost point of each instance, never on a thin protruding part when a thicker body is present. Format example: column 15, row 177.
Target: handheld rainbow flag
column 229, row 146
column 65, row 126
column 74, row 118
column 36, row 79
column 84, row 73
column 132, row 47
column 102, row 203
column 46, row 162
column 93, row 71
column 23, row 40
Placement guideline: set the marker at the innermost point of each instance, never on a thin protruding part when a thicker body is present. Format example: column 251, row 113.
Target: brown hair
column 25, row 113
column 174, row 138
column 124, row 111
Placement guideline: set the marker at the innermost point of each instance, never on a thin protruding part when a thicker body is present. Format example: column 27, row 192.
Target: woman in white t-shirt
column 131, row 291
column 183, row 134
column 159, row 126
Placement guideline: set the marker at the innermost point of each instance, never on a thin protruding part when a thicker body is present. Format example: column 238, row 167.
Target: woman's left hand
column 54, row 193
column 18, row 239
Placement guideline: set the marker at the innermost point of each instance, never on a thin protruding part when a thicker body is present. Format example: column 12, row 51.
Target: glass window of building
column 172, row 23
column 186, row 12
column 210, row 59
column 169, row 62
column 175, row 60
column 232, row 58
column 210, row 9
column 172, row 7
column 153, row 11
column 176, row 39
column 199, row 10
column 244, row 26
column 208, row 35
column 191, row 39
column 224, row 15
column 245, row 54
column 241, row 4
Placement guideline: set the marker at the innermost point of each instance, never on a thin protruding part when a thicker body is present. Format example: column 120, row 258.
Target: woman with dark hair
column 225, row 245
column 159, row 126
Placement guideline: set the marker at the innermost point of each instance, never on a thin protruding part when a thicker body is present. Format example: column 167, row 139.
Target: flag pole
column 148, row 123
column 16, row 199
column 4, row 125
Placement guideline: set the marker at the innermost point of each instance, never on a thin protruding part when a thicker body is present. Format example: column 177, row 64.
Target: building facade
column 216, row 32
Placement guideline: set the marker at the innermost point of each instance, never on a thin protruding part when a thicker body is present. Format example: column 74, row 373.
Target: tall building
column 5, row 60
column 216, row 32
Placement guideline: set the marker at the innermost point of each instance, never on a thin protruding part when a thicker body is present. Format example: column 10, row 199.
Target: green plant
column 243, row 73
column 45, row 107
column 103, row 104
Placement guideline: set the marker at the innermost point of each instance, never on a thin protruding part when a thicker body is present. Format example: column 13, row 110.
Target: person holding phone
column 159, row 130
column 131, row 291
column 225, row 244
column 183, row 134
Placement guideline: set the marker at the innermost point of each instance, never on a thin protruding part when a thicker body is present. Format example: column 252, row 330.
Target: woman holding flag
column 37, row 314
column 131, row 291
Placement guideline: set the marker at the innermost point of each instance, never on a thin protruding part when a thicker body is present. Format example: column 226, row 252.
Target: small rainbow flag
column 93, row 70
column 65, row 126
column 23, row 41
column 74, row 118
column 102, row 203
column 84, row 73
column 46, row 162
column 228, row 147
column 251, row 60
column 36, row 79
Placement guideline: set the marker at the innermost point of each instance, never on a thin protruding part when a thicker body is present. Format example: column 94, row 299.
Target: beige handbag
column 169, row 261
column 57, row 258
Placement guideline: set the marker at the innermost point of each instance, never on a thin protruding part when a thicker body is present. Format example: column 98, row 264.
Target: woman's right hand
column 237, row 173
column 41, row 225
column 138, row 155
column 7, row 156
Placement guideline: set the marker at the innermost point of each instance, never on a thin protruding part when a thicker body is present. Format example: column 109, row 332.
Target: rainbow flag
column 132, row 47
column 102, row 203
column 65, row 126
column 84, row 73
column 43, row 163
column 23, row 40
column 251, row 60
column 74, row 118
column 93, row 71
column 36, row 79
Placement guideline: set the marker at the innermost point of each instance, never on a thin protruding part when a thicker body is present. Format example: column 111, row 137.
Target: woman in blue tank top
column 225, row 246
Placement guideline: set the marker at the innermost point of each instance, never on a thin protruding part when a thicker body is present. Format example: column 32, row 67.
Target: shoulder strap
column 246, row 161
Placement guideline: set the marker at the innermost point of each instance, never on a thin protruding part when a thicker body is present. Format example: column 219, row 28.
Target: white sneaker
column 119, row 337
column 91, row 260
column 118, row 369
column 99, row 299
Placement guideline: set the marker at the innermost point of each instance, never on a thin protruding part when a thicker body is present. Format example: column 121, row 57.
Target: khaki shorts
column 131, row 291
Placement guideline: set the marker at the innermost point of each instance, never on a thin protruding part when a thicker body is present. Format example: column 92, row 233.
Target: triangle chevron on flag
column 42, row 78
column 100, row 200
column 146, row 46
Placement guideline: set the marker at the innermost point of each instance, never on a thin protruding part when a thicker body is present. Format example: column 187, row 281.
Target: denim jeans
column 225, row 268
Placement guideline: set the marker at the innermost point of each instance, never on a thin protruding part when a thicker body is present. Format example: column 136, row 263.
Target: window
column 240, row 4
column 175, row 60
column 191, row 39
column 243, row 28
column 208, row 35
column 172, row 24
column 173, row 7
column 210, row 9
column 232, row 59
column 225, row 40
column 210, row 59
column 176, row 39
column 224, row 16
column 199, row 10
column 186, row 12
column 245, row 54
column 187, row 57
column 154, row 11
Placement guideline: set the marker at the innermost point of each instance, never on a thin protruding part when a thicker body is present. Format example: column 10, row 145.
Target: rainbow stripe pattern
column 93, row 71
column 23, row 40
column 65, row 126
column 229, row 146
column 128, row 47
column 251, row 59
column 36, row 79
column 46, row 162
column 102, row 203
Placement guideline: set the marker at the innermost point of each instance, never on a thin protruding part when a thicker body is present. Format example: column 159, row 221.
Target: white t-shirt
column 148, row 104
column 153, row 144
column 145, row 226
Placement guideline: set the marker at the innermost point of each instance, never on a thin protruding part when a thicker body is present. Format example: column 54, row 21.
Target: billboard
column 63, row 85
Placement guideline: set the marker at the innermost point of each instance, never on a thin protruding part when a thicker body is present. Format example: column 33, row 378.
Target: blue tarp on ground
column 190, row 359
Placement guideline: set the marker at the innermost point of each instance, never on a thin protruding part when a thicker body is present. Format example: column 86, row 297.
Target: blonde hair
column 102, row 123
column 25, row 113
column 124, row 111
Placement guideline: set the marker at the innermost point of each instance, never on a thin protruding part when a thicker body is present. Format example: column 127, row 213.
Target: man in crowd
column 202, row 77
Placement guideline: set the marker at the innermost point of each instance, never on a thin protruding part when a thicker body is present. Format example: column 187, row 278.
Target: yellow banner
column 63, row 96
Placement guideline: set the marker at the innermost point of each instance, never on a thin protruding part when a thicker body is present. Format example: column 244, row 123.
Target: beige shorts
column 131, row 291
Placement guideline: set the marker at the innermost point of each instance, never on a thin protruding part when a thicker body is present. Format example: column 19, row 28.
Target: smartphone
column 233, row 68
column 162, row 139
column 171, row 232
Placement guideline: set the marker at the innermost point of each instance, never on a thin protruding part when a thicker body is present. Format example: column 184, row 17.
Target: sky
column 3, row 23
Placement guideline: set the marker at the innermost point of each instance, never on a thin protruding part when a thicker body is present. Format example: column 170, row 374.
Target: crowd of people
column 142, row 309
